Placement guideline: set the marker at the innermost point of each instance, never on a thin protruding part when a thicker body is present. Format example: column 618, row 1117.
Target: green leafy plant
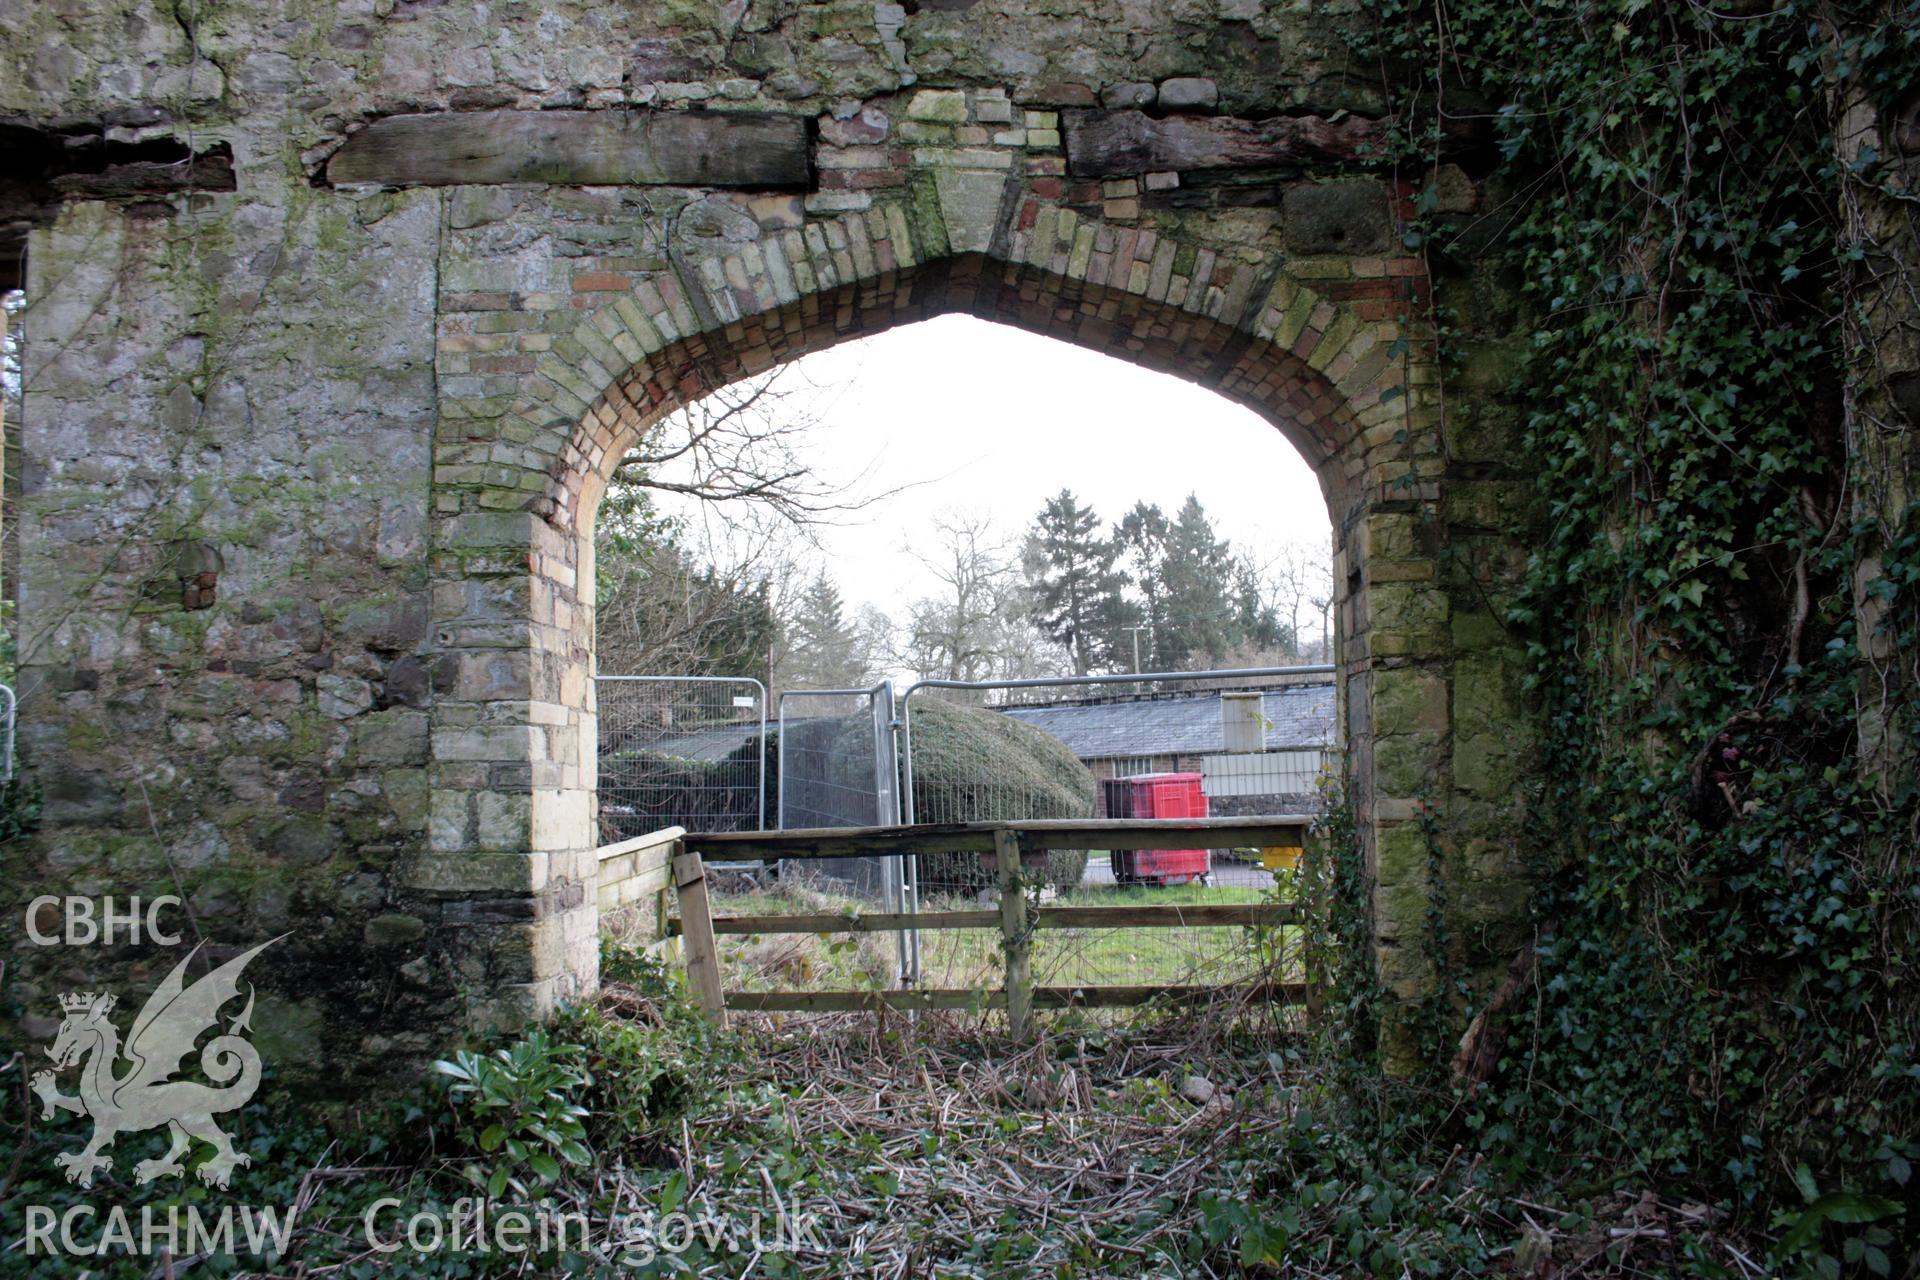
column 1331, row 885
column 638, row 1075
column 19, row 809
column 520, row 1107
column 1804, row 1230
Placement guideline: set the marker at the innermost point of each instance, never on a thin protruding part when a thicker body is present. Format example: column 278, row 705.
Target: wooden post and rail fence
column 640, row 872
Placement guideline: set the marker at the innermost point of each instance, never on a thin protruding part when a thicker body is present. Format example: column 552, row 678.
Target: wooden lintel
column 1125, row 144
column 578, row 148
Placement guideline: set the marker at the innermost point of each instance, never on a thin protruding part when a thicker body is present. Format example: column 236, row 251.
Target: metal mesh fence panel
column 686, row 751
column 835, row 767
column 828, row 769
column 1093, row 747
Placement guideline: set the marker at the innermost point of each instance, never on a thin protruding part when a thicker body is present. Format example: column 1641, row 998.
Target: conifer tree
column 1075, row 585
column 824, row 648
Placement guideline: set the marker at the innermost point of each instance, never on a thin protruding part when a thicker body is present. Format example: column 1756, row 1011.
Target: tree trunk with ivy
column 1877, row 154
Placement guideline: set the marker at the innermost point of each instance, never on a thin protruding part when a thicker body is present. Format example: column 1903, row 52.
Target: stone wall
column 305, row 561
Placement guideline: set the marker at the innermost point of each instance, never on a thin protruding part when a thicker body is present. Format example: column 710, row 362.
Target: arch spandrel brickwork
column 314, row 435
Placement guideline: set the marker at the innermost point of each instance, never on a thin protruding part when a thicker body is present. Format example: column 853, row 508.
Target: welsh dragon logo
column 144, row 1097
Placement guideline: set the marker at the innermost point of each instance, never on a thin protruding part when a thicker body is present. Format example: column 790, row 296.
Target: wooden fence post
column 696, row 934
column 668, row 943
column 1017, row 936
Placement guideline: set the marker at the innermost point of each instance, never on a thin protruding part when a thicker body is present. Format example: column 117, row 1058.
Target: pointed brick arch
column 569, row 382
column 1305, row 404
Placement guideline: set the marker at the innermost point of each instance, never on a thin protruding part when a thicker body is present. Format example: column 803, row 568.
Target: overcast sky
column 980, row 417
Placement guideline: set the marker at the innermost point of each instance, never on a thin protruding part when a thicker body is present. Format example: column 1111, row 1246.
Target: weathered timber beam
column 663, row 839
column 41, row 168
column 210, row 170
column 1125, row 144
column 578, row 148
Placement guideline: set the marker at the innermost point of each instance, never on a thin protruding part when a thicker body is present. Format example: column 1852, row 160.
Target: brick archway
column 519, row 473
column 1320, row 419
column 315, row 422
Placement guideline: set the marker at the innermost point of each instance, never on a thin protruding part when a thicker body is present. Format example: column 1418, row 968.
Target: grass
column 801, row 961
column 972, row 957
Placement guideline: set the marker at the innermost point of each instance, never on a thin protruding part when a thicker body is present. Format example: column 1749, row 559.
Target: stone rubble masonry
column 387, row 417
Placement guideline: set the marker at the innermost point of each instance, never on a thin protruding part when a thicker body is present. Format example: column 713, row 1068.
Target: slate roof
column 1297, row 716
column 715, row 743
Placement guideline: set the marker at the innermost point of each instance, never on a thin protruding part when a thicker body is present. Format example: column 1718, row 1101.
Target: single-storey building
column 1276, row 771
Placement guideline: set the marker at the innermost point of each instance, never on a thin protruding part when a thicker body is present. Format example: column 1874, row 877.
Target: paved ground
column 1237, row 874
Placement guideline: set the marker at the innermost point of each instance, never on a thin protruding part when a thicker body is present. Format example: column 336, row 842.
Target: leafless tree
column 667, row 609
column 12, row 304
column 704, row 528
column 979, row 625
column 1299, row 582
column 744, row 445
column 876, row 641
column 950, row 636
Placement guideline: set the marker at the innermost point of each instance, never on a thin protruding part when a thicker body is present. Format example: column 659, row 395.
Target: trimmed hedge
column 972, row 765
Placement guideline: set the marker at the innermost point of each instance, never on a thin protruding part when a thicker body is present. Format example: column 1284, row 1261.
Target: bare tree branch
column 745, row 444
column 980, row 626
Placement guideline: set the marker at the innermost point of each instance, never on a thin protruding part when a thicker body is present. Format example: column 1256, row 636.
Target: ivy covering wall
column 1707, row 209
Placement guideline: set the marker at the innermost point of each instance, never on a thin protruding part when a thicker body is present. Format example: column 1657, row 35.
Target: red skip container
column 1158, row 795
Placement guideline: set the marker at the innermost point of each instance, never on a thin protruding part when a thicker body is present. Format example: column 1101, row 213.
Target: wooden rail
column 1172, row 916
column 981, row 998
column 634, row 872
column 636, row 869
column 963, row 837
column 1017, row 920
